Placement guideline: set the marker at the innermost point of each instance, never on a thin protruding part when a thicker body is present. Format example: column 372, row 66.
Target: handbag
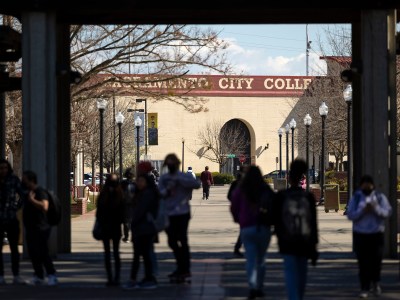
column 97, row 231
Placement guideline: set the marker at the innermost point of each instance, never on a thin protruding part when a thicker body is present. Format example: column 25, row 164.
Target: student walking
column 245, row 209
column 37, row 229
column 368, row 210
column 110, row 215
column 145, row 208
column 296, row 228
column 10, row 203
column 176, row 189
column 206, row 181
column 232, row 188
column 128, row 188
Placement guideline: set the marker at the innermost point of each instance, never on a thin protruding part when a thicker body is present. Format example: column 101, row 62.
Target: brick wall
column 79, row 207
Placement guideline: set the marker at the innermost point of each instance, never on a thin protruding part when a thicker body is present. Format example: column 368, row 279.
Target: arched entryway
column 235, row 142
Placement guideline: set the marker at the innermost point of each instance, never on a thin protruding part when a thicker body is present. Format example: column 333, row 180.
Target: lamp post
column 348, row 97
column 280, row 132
column 101, row 106
column 287, row 130
column 292, row 124
column 138, row 124
column 120, row 119
column 307, row 123
column 183, row 155
column 323, row 112
column 145, row 126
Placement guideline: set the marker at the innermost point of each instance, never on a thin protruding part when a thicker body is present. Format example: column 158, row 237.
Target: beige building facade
column 262, row 103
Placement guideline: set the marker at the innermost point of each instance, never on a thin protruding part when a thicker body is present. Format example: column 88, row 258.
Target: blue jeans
column 255, row 241
column 295, row 275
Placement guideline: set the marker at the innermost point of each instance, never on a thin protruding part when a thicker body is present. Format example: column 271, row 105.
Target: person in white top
column 190, row 171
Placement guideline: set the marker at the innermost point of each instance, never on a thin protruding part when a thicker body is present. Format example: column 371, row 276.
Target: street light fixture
column 280, row 132
column 307, row 123
column 348, row 97
column 287, row 130
column 145, row 126
column 120, row 119
column 292, row 124
column 101, row 106
column 138, row 124
column 323, row 112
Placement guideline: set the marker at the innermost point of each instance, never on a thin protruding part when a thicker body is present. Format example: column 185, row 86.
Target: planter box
column 80, row 207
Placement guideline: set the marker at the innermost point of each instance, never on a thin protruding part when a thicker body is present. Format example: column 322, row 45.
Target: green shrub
column 220, row 178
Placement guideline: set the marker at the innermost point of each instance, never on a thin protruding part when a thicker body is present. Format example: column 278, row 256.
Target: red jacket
column 206, row 178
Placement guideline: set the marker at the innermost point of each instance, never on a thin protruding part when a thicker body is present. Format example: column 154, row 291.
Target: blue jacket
column 176, row 189
column 368, row 221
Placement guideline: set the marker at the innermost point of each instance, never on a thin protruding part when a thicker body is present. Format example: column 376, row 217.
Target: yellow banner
column 152, row 125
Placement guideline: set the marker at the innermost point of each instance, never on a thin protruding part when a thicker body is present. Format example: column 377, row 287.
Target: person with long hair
column 145, row 208
column 245, row 209
column 110, row 215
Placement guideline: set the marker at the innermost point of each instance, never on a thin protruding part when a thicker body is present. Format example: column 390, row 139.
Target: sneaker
column 131, row 285
column 252, row 294
column 173, row 274
column 36, row 281
column 18, row 281
column 260, row 293
column 377, row 290
column 363, row 294
column 2, row 280
column 52, row 280
column 237, row 253
column 148, row 284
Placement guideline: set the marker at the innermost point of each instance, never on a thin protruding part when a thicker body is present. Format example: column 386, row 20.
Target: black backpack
column 54, row 212
column 265, row 209
column 296, row 217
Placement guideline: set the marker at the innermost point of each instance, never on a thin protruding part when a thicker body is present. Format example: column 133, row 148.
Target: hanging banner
column 152, row 126
column 141, row 129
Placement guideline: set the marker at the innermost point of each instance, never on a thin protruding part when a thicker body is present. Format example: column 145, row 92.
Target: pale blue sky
column 273, row 49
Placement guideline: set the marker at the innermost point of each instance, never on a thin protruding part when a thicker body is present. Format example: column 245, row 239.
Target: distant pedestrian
column 37, row 229
column 206, row 181
column 296, row 228
column 145, row 207
column 256, row 236
column 10, row 202
column 128, row 188
column 232, row 188
column 368, row 210
column 176, row 189
column 110, row 215
column 190, row 171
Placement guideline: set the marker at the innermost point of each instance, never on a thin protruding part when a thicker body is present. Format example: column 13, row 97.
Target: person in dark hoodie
column 110, row 215
column 295, row 221
column 145, row 208
column 10, row 203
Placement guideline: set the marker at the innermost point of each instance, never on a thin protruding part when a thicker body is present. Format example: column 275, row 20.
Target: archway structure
column 46, row 77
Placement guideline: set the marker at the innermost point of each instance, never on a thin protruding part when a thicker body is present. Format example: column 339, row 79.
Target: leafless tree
column 103, row 54
column 336, row 50
column 217, row 140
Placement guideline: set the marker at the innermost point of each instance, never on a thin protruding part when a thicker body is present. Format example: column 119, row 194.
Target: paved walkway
column 217, row 274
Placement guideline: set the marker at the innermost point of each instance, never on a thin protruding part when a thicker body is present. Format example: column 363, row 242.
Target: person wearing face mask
column 368, row 210
column 110, row 215
column 176, row 188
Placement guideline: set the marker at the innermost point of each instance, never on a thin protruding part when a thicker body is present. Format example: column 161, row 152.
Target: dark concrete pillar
column 45, row 84
column 374, row 114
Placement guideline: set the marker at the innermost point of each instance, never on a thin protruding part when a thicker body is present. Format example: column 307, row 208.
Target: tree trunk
column 16, row 149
